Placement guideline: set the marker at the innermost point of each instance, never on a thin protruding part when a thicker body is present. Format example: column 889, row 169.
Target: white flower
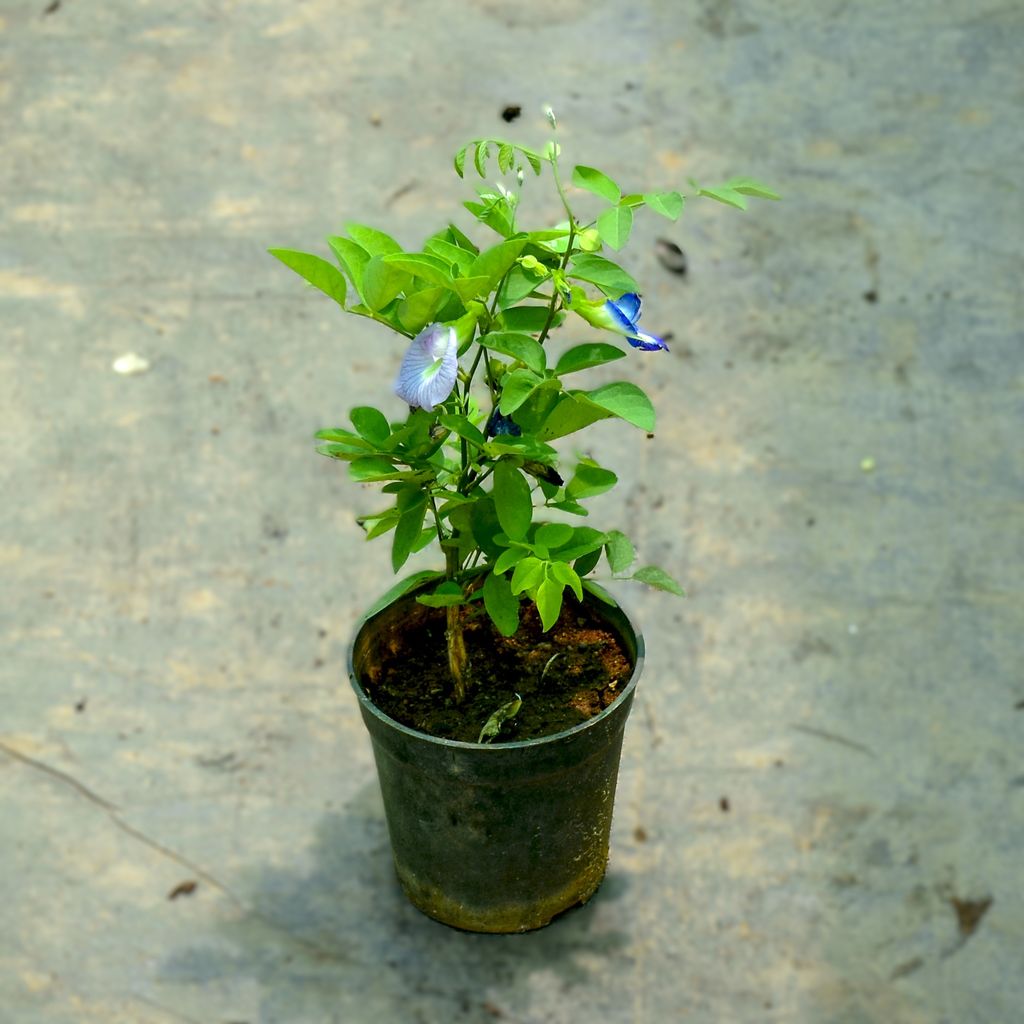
column 430, row 367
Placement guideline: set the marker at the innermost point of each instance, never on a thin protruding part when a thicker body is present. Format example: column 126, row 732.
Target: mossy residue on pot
column 509, row 916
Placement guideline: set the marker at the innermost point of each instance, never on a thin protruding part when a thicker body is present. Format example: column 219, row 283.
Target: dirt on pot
column 563, row 676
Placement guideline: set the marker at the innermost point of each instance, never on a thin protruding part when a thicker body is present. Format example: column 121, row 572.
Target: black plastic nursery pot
column 497, row 837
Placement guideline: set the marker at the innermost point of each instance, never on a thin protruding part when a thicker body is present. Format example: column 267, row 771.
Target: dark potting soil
column 565, row 676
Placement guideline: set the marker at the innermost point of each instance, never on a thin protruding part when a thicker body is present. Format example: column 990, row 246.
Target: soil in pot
column 564, row 676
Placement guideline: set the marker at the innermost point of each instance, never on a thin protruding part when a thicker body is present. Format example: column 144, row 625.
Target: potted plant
column 496, row 689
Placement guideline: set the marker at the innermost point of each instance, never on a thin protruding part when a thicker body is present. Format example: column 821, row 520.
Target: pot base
column 501, row 918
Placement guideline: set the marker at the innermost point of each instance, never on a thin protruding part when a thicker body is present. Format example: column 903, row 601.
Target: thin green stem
column 437, row 521
column 483, row 476
column 556, row 297
column 458, row 659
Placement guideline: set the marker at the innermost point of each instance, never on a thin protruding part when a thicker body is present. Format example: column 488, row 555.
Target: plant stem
column 458, row 659
column 555, row 297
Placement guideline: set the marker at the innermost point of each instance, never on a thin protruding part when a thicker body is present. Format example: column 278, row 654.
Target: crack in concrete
column 113, row 814
column 832, row 737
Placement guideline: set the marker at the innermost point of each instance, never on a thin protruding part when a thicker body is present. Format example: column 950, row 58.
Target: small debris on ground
column 185, row 888
column 130, row 364
column 511, row 112
column 670, row 256
column 969, row 913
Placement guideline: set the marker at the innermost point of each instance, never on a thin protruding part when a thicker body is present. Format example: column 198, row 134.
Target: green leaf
column 549, row 234
column 484, row 526
column 461, row 426
column 668, row 204
column 417, row 310
column 512, row 500
column 422, row 265
column 519, row 284
column 495, row 262
column 373, row 467
column 597, row 182
column 574, row 508
column 516, row 387
column 533, row 158
column 571, row 413
column 371, row 423
column 581, row 357
column 589, row 480
column 447, row 594
column 527, row 447
column 548, row 597
column 407, row 531
column 375, row 242
column 382, row 282
column 658, row 578
column 509, row 558
column 352, row 257
column 492, row 727
column 585, row 539
column 608, row 276
column 501, row 604
column 400, row 588
column 619, row 550
column 528, row 319
column 587, row 563
column 614, row 226
column 463, row 241
column 519, row 346
column 460, row 162
column 726, row 195
column 344, row 450
column 318, row 272
column 528, row 573
column 453, row 255
column 339, row 434
column 749, row 187
column 553, row 535
column 468, row 288
column 627, row 401
column 377, row 526
column 480, row 155
column 566, row 575
column 506, row 157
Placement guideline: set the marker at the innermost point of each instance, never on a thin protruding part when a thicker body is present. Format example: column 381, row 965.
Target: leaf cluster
column 479, row 474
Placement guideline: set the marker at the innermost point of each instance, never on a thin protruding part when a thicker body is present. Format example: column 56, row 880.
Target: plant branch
column 555, row 296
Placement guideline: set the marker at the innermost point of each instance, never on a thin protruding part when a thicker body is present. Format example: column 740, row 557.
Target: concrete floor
column 821, row 811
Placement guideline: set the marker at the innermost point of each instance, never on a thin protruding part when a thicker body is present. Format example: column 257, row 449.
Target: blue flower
column 498, row 424
column 430, row 368
column 622, row 316
column 625, row 312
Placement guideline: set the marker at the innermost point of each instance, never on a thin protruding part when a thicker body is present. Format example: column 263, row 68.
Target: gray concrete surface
column 820, row 812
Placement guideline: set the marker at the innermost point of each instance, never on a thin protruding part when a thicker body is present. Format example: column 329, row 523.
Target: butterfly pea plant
column 472, row 465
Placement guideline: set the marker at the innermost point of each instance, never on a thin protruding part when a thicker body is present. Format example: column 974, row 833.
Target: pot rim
column 368, row 704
